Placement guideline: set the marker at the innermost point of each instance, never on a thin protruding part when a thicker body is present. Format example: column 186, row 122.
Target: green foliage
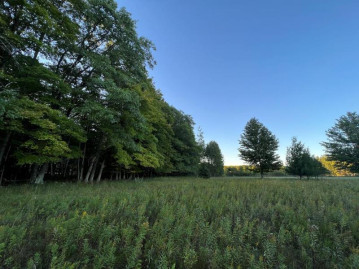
column 214, row 158
column 181, row 223
column 332, row 168
column 301, row 163
column 258, row 146
column 239, row 170
column 75, row 92
column 343, row 143
column 186, row 153
column 204, row 170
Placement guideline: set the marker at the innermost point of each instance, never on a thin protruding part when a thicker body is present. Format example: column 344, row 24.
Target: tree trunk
column 34, row 170
column 93, row 171
column 82, row 164
column 90, row 170
column 3, row 146
column 51, row 170
column 3, row 169
column 78, row 170
column 100, row 173
column 40, row 176
column 97, row 157
column 65, row 170
column 1, row 176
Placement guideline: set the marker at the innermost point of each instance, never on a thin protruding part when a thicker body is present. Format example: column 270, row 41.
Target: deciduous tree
column 213, row 156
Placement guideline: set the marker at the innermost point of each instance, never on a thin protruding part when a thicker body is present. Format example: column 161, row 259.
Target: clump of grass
column 182, row 223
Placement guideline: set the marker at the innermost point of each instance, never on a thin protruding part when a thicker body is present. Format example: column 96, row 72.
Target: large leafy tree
column 342, row 145
column 75, row 96
column 186, row 152
column 214, row 158
column 258, row 146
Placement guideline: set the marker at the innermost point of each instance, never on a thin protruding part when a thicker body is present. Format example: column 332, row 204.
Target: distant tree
column 214, row 158
column 297, row 156
column 231, row 171
column 343, row 143
column 258, row 147
column 301, row 163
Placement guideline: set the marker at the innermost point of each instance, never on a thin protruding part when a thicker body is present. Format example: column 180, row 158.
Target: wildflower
column 145, row 225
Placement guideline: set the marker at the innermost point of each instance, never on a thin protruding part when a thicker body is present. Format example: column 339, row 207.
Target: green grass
column 182, row 223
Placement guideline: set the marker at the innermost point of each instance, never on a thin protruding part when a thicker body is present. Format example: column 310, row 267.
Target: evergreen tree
column 343, row 143
column 301, row 163
column 297, row 156
column 258, row 147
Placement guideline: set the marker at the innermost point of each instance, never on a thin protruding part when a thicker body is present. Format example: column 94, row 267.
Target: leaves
column 76, row 71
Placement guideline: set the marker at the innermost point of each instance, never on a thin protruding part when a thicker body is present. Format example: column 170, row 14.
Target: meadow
column 182, row 223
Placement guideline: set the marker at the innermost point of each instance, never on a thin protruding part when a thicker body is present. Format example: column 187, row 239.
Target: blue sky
column 294, row 65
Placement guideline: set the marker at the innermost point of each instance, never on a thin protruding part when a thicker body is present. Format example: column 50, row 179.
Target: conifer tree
column 342, row 145
column 301, row 163
column 258, row 146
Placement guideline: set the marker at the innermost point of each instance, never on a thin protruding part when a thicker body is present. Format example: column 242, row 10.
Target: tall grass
column 182, row 223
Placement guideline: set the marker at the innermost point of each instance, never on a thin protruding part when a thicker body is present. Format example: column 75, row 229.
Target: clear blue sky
column 294, row 65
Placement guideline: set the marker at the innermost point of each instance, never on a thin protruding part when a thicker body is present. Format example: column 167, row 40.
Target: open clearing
column 182, row 223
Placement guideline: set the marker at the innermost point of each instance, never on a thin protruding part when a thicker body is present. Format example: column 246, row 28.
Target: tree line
column 258, row 148
column 76, row 99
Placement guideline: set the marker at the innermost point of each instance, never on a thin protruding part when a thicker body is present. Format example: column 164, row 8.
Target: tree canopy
column 76, row 100
column 342, row 145
column 301, row 163
column 214, row 158
column 258, row 146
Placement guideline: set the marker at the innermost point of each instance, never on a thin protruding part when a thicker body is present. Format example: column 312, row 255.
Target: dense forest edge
column 76, row 100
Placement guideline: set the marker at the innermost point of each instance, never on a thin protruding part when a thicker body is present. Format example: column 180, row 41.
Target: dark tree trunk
column 82, row 164
column 3, row 146
column 65, row 170
column 1, row 176
column 35, row 168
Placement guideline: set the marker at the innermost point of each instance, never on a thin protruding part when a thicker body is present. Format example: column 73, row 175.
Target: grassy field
column 182, row 223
